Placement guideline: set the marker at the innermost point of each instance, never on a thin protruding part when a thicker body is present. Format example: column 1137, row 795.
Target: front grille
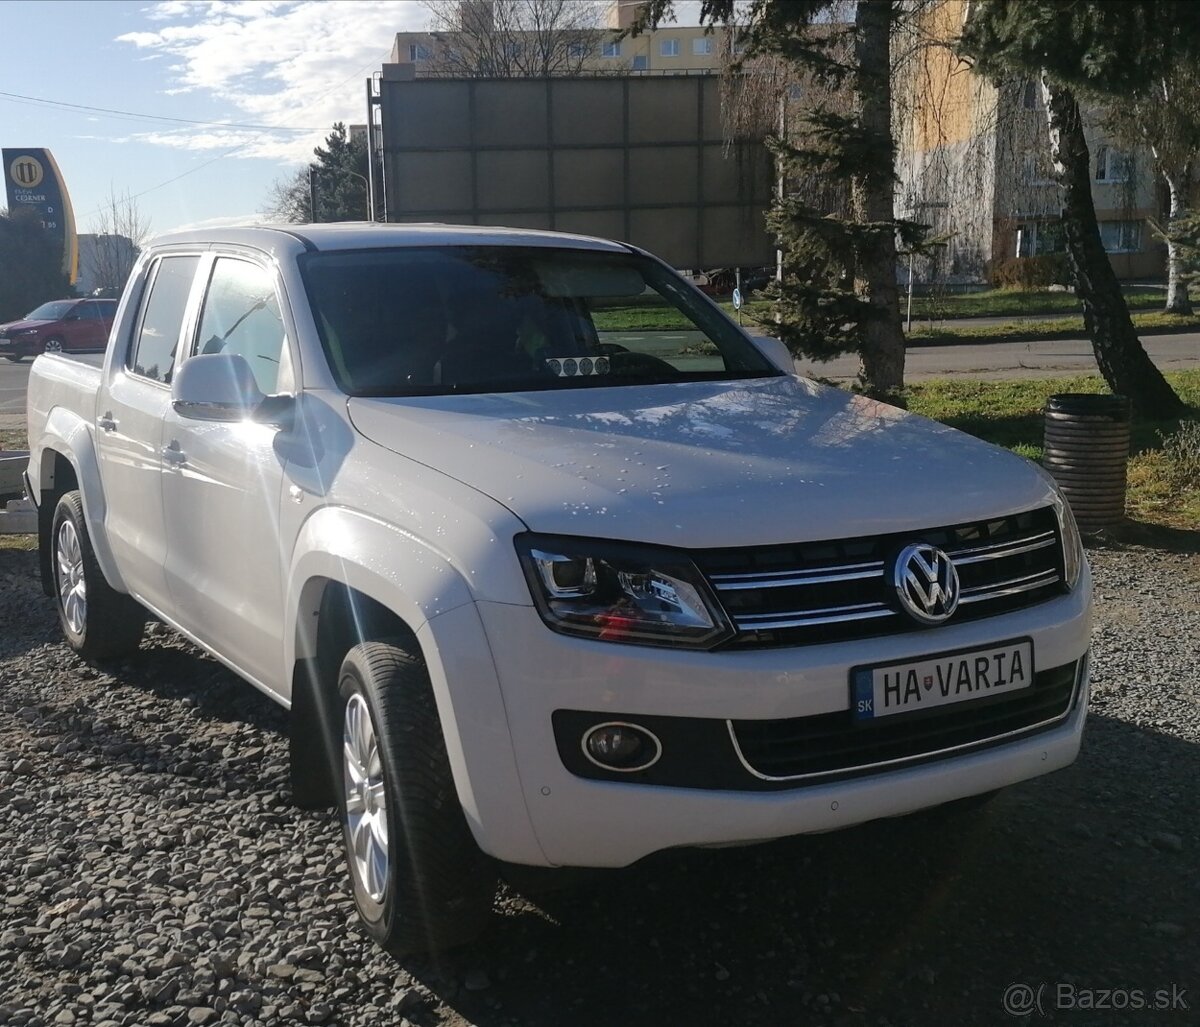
column 840, row 590
column 834, row 744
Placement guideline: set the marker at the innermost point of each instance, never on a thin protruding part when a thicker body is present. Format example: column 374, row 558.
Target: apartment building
column 973, row 161
column 671, row 49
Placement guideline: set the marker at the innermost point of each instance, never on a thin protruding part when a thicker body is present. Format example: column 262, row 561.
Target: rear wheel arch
column 57, row 477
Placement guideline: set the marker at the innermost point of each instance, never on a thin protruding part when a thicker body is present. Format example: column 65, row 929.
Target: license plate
column 940, row 680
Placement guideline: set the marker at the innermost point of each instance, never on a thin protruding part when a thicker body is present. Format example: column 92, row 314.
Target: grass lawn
column 1020, row 302
column 12, row 438
column 1145, row 304
column 1010, row 414
column 1058, row 327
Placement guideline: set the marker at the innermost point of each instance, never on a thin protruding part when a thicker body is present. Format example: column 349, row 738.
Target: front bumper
column 16, row 347
column 607, row 823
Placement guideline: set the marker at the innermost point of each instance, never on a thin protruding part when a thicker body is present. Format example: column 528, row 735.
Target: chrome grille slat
column 793, row 580
column 805, row 618
column 1011, row 587
column 979, row 553
column 840, row 589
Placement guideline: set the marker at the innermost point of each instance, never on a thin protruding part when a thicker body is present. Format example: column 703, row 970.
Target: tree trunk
column 872, row 197
column 1119, row 353
column 1177, row 294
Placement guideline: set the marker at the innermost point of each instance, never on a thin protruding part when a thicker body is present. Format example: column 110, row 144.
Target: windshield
column 52, row 311
column 422, row 321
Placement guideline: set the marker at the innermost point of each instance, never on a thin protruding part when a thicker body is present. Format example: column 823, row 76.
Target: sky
column 270, row 76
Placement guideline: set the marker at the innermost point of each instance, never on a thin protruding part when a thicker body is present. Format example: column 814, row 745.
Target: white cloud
column 292, row 63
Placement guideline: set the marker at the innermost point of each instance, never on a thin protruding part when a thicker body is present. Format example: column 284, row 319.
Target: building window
column 738, row 43
column 1030, row 95
column 417, row 52
column 1033, row 170
column 1037, row 238
column 1113, row 165
column 611, row 49
column 640, row 63
column 702, row 47
column 577, row 50
column 669, row 48
column 512, row 49
column 1121, row 236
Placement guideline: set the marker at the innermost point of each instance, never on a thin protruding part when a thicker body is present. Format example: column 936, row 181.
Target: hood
column 705, row 465
column 19, row 326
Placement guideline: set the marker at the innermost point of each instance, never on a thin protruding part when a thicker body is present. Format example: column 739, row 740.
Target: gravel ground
column 153, row 872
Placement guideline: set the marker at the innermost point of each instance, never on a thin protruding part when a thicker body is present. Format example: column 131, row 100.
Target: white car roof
column 356, row 235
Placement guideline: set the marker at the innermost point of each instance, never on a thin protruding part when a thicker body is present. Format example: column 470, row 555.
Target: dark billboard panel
column 643, row 159
column 34, row 184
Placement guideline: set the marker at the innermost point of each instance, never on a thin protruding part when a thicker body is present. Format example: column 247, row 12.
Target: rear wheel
column 99, row 622
column 420, row 881
column 53, row 345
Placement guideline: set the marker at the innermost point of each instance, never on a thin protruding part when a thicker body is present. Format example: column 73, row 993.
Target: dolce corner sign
column 35, row 185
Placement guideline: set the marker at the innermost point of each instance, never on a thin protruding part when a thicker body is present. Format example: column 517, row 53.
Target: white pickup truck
column 551, row 562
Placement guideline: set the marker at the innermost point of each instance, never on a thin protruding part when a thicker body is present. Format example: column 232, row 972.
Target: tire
column 16, row 358
column 99, row 622
column 420, row 882
column 53, row 345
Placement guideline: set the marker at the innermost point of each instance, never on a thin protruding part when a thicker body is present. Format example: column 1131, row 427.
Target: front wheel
column 16, row 358
column 99, row 622
column 420, row 881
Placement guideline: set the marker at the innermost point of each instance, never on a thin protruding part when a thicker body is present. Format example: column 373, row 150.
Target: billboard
column 35, row 184
column 638, row 158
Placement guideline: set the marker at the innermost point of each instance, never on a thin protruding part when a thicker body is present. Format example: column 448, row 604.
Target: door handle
column 106, row 422
column 173, row 455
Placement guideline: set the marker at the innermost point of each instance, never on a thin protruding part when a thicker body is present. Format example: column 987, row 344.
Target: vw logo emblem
column 926, row 583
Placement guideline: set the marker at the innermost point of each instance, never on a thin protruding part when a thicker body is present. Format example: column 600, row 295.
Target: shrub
column 1182, row 452
column 1032, row 272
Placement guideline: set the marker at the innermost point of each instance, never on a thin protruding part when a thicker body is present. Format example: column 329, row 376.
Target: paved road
column 995, row 360
column 1007, row 360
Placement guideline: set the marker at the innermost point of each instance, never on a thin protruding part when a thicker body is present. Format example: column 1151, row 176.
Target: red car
column 60, row 326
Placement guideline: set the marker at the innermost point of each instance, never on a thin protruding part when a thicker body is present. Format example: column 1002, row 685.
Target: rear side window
column 153, row 353
column 241, row 315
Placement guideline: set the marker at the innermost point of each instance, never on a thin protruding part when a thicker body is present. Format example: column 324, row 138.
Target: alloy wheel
column 366, row 799
column 72, row 586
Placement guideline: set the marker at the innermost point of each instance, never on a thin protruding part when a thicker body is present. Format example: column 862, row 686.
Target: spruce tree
column 341, row 173
column 838, row 293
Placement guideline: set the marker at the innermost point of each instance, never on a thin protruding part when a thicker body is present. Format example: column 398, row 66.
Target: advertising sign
column 35, row 185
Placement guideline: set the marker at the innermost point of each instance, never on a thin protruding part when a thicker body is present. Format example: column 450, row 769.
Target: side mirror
column 216, row 387
column 775, row 351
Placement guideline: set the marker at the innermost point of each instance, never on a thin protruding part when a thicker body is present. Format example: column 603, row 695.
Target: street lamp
column 366, row 190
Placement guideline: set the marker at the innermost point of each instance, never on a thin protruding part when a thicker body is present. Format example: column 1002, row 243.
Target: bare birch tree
column 512, row 38
column 1166, row 118
column 120, row 229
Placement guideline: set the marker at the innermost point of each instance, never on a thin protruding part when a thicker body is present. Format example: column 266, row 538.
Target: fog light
column 620, row 746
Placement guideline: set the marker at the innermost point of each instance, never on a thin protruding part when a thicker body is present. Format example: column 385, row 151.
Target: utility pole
column 312, row 193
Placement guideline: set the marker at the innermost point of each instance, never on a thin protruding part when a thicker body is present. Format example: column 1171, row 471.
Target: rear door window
column 154, row 349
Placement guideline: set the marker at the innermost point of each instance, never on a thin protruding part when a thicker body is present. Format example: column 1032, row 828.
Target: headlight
column 1071, row 543
column 620, row 592
column 28, row 331
column 1068, row 530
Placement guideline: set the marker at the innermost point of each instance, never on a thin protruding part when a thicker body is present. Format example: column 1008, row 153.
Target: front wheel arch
column 344, row 618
